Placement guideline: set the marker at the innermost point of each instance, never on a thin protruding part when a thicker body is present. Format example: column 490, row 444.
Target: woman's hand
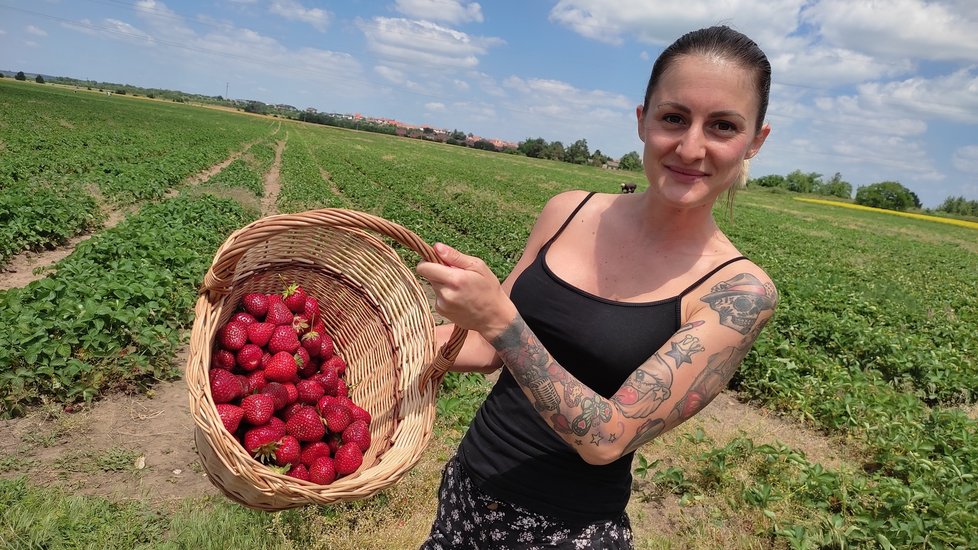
column 467, row 292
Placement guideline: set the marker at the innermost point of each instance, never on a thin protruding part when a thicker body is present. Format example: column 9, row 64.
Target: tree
column 20, row 76
column 457, row 137
column 630, row 161
column 532, row 147
column 39, row 79
column 770, row 180
column 485, row 145
column 577, row 153
column 800, row 182
column 2, row 75
column 835, row 187
column 598, row 158
column 554, row 151
column 885, row 194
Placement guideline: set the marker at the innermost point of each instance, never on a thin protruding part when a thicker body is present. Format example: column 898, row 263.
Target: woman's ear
column 640, row 117
column 758, row 140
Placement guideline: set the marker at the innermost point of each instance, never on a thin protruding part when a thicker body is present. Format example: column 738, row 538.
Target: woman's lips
column 686, row 175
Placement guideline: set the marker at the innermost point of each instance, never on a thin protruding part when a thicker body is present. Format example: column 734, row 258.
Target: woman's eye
column 673, row 119
column 725, row 126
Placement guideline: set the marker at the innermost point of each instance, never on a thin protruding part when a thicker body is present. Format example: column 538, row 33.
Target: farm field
column 851, row 424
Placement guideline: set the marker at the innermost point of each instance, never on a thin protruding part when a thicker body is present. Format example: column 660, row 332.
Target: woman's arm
column 476, row 354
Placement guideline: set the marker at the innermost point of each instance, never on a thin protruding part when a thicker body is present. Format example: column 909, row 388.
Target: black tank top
column 509, row 450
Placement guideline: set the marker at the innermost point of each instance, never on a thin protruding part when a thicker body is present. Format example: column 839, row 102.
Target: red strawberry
column 278, row 393
column 258, row 408
column 334, row 441
column 281, row 367
column 256, row 304
column 278, row 314
column 312, row 342
column 322, row 471
column 324, row 402
column 347, row 459
column 337, row 363
column 288, row 451
column 261, row 442
column 256, row 381
column 309, row 367
column 292, row 392
column 283, row 339
column 225, row 386
column 260, row 333
column 230, row 416
column 294, row 298
column 311, row 308
column 289, row 410
column 337, row 417
column 302, row 357
column 306, row 425
column 329, row 379
column 223, row 359
column 233, row 335
column 358, row 432
column 300, row 323
column 243, row 317
column 342, row 390
column 312, row 451
column 309, row 391
column 249, row 357
column 277, row 423
column 299, row 471
column 359, row 413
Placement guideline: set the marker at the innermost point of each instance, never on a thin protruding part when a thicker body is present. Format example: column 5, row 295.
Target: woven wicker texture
column 381, row 323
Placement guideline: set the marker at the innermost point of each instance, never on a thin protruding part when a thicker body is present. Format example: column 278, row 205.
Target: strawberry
column 359, row 413
column 337, row 417
column 289, row 410
column 278, row 314
column 288, row 451
column 258, row 408
column 329, row 379
column 299, row 471
column 294, row 297
column 358, row 432
column 302, row 357
column 225, row 386
column 223, row 359
column 283, row 339
column 309, row 367
column 311, row 308
column 324, row 402
column 291, row 391
column 322, row 471
column 261, row 441
column 337, row 363
column 328, row 348
column 260, row 333
column 249, row 357
column 281, row 367
column 312, row 342
column 256, row 381
column 306, row 425
column 309, row 391
column 312, row 451
column 342, row 390
column 233, row 335
column 243, row 317
column 278, row 393
column 347, row 459
column 230, row 416
column 256, row 304
column 334, row 441
column 300, row 323
column 277, row 424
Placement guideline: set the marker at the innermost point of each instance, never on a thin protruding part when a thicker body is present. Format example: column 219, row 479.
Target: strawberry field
column 873, row 345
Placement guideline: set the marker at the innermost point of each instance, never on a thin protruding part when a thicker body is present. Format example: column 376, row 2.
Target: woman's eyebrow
column 684, row 109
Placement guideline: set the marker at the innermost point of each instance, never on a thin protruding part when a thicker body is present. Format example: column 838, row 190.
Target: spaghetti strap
column 568, row 220
column 711, row 273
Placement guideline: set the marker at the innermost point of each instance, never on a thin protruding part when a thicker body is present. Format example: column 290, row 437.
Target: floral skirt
column 468, row 518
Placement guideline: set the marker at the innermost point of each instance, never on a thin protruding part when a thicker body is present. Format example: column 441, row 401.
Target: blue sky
column 874, row 90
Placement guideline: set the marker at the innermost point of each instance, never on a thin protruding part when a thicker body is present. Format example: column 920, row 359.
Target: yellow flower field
column 952, row 221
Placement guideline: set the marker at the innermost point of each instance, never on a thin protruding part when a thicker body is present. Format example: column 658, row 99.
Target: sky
column 874, row 90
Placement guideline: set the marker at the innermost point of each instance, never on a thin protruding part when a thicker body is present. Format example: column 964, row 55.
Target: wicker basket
column 384, row 330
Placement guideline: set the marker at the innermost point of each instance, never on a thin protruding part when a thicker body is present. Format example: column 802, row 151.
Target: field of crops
column 873, row 343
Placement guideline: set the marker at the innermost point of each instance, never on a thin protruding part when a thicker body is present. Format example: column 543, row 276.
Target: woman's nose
column 692, row 145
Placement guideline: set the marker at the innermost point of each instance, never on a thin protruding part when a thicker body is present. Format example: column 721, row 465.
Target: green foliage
column 39, row 79
column 20, row 76
column 887, row 194
column 959, row 205
column 36, row 217
column 631, row 161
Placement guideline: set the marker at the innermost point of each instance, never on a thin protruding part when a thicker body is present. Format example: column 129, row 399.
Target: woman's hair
column 724, row 43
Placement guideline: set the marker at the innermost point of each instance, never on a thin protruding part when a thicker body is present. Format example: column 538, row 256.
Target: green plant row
column 38, row 216
column 111, row 315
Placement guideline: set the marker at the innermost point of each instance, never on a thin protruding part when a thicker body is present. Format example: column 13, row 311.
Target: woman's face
column 698, row 128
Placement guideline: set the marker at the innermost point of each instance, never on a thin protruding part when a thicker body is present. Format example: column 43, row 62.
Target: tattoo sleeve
column 585, row 418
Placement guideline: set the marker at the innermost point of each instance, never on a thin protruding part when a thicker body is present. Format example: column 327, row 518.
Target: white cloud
column 388, row 73
column 36, row 31
column 826, row 67
column 859, row 114
column 965, row 159
column 935, row 29
column 953, row 97
column 450, row 11
column 113, row 29
column 423, row 44
column 434, row 106
column 294, row 11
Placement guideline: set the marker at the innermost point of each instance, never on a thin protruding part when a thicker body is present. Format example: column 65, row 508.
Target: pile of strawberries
column 280, row 388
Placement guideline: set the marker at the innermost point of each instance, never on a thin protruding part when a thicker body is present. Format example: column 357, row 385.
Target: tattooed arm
column 667, row 389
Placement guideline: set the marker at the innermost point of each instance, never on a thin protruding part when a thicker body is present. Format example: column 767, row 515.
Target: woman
column 626, row 315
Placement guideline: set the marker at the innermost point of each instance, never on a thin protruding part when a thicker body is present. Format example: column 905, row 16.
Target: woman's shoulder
column 737, row 281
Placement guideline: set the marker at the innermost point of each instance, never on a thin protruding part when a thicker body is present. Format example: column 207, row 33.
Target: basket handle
column 221, row 273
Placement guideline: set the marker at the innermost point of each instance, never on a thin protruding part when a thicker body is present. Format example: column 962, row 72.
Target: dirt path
column 273, row 184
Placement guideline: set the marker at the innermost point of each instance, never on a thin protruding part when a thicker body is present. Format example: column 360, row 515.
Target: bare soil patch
column 273, row 184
